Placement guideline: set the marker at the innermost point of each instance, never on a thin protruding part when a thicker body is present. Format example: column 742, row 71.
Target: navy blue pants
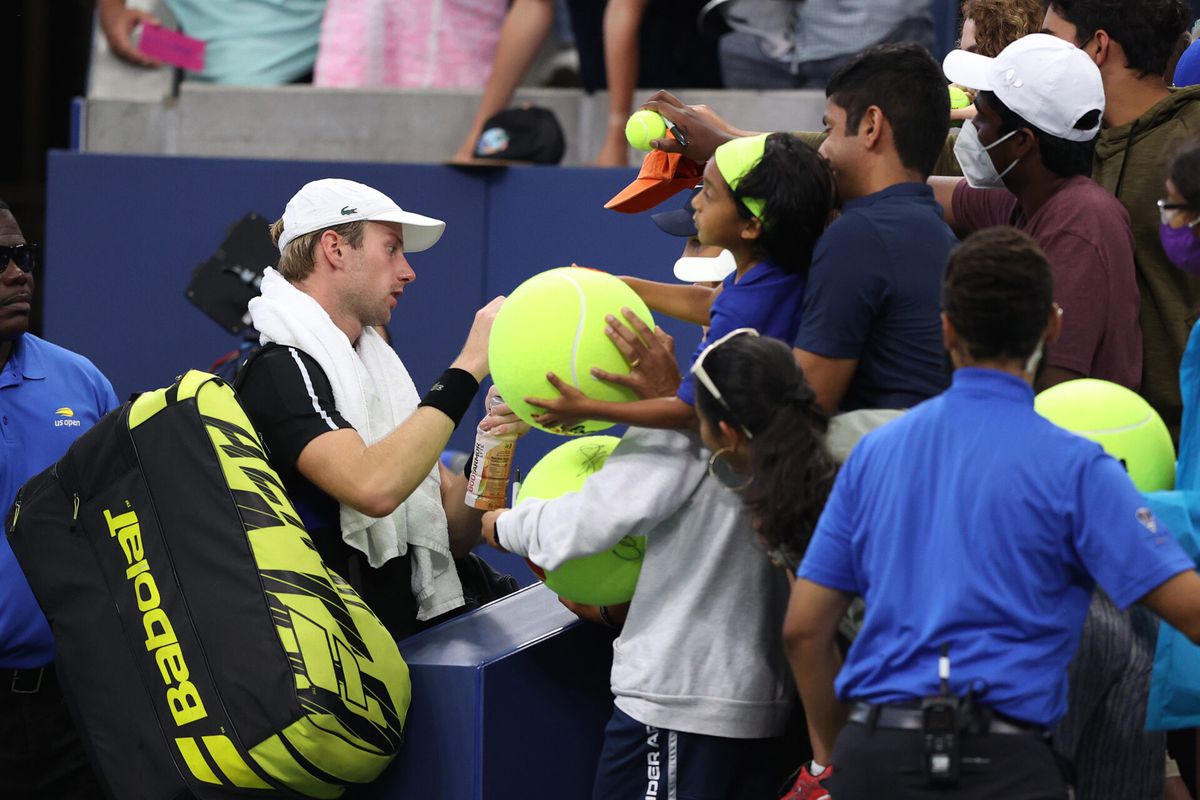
column 641, row 762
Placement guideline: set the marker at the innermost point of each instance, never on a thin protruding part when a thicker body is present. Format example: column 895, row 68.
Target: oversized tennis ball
column 1120, row 421
column 643, row 126
column 602, row 579
column 554, row 322
column 959, row 98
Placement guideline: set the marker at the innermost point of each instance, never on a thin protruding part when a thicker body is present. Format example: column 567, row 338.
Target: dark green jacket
column 1131, row 162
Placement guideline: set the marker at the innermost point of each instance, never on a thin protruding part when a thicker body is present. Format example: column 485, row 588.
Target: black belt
column 907, row 718
column 25, row 681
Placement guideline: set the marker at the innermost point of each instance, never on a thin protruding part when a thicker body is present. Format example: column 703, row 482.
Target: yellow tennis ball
column 1120, row 421
column 554, row 322
column 643, row 126
column 959, row 98
column 601, row 579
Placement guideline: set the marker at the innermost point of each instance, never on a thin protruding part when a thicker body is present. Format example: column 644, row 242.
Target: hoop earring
column 714, row 460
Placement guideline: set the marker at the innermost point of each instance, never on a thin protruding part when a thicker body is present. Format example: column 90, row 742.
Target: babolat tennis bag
column 204, row 648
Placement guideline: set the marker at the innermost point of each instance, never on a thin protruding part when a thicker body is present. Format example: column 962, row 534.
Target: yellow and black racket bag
column 204, row 648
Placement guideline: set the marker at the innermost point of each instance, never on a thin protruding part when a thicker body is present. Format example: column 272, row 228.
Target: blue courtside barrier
column 509, row 703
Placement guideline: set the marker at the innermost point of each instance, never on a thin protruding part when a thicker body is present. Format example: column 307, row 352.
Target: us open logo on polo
column 65, row 418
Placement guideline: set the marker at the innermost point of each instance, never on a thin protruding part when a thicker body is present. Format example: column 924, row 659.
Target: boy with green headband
column 766, row 199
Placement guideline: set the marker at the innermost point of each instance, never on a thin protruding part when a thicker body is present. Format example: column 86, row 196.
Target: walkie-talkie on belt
column 941, row 725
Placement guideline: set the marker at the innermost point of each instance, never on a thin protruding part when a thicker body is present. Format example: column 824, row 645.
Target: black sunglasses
column 25, row 256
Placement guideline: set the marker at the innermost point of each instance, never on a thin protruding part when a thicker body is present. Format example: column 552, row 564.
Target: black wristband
column 496, row 536
column 452, row 394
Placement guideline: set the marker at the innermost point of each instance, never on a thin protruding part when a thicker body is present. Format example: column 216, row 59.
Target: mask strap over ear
column 1036, row 356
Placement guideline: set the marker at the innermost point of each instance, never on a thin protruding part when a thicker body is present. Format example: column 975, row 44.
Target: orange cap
column 662, row 175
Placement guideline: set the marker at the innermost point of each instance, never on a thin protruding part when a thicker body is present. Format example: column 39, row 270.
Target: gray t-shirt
column 701, row 649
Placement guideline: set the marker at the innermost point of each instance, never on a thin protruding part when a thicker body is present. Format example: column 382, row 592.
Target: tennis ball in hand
column 602, row 579
column 958, row 98
column 1120, row 421
column 643, row 126
column 554, row 322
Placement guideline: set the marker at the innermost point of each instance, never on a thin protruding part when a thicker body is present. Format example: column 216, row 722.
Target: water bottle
column 491, row 463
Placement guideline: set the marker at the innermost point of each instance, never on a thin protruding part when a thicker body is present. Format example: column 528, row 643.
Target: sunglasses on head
column 707, row 382
column 25, row 256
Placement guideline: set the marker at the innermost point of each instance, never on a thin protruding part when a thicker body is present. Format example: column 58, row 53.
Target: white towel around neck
column 373, row 391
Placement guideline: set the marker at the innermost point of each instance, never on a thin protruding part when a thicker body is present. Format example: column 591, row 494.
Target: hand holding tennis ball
column 959, row 98
column 643, row 127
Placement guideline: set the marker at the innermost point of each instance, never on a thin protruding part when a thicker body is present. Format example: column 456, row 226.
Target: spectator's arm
column 684, row 302
column 525, row 27
column 622, row 19
column 1177, row 600
column 810, row 637
column 829, row 377
column 117, row 22
column 943, row 192
column 704, row 129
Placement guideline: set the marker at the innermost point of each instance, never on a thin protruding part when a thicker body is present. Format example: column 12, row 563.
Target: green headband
column 735, row 159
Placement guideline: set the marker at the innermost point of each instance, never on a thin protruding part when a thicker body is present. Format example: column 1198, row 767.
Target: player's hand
column 565, row 412
column 474, row 355
column 650, row 355
column 501, row 421
column 703, row 128
column 488, row 528
column 117, row 22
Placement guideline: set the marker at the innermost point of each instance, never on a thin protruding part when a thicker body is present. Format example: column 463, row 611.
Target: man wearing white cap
column 1027, row 157
column 356, row 446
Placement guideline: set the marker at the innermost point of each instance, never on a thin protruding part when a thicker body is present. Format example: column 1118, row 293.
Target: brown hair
column 999, row 23
column 296, row 262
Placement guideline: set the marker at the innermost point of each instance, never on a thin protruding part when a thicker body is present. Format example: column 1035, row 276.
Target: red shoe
column 807, row 787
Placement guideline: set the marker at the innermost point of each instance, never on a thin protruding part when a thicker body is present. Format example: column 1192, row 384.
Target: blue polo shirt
column 874, row 295
column 48, row 397
column 766, row 299
column 974, row 522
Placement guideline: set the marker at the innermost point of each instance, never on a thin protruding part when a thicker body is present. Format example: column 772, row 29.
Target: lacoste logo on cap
column 347, row 211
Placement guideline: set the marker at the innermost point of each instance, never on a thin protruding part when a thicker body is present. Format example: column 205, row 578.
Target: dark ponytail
column 797, row 189
column 791, row 469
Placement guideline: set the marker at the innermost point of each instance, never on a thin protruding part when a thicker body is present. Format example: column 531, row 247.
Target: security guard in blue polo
column 975, row 531
column 48, row 397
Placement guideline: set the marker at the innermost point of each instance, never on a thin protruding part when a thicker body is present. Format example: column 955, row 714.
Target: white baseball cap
column 336, row 201
column 1048, row 82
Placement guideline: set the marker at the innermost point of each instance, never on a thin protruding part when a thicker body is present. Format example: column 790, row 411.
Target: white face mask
column 976, row 164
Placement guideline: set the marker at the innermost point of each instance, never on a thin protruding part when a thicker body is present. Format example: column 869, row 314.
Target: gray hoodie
column 701, row 649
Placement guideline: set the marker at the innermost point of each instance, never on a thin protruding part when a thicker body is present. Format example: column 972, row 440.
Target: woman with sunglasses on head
column 767, row 434
column 766, row 431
